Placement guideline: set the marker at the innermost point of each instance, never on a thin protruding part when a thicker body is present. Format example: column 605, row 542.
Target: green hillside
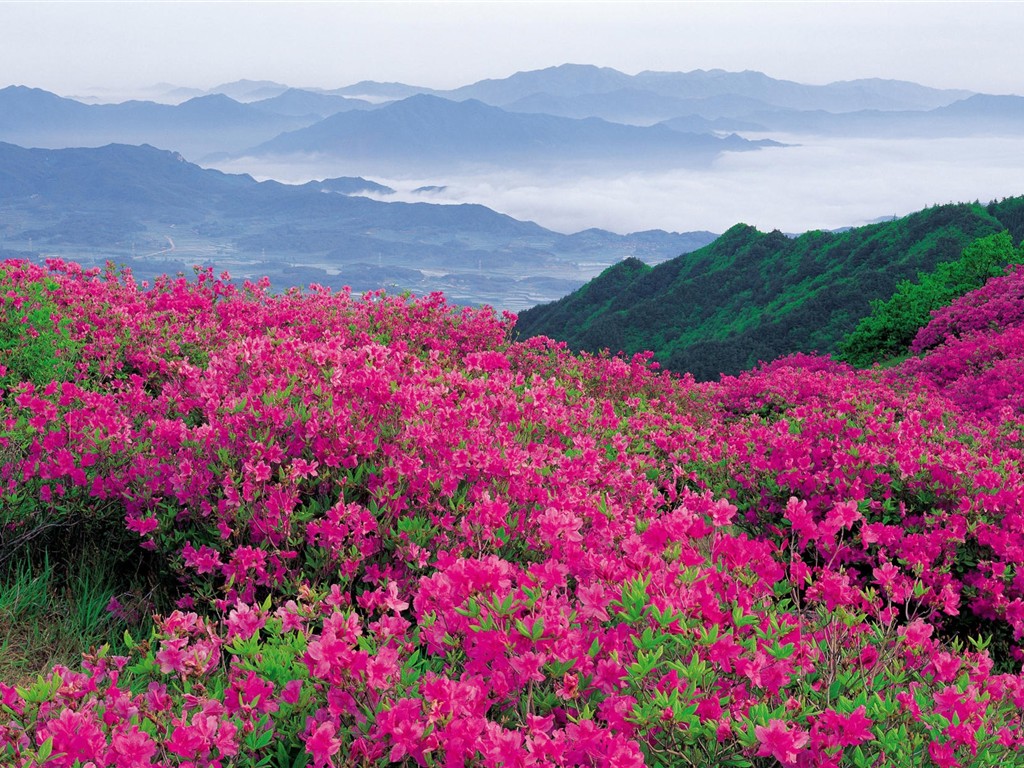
column 752, row 296
column 889, row 330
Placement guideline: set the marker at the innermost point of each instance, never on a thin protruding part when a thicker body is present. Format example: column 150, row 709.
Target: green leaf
column 45, row 750
column 783, row 651
column 257, row 740
column 538, row 629
column 42, row 690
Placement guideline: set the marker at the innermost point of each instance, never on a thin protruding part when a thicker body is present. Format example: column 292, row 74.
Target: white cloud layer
column 817, row 185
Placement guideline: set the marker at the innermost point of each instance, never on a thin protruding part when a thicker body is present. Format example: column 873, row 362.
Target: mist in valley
column 811, row 183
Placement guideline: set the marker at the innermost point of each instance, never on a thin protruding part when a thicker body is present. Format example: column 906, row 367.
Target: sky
column 115, row 50
column 77, row 48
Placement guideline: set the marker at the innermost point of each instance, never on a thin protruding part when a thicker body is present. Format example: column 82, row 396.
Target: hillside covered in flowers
column 369, row 531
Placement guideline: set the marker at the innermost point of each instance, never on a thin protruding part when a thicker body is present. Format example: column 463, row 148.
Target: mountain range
column 35, row 118
column 430, row 134
column 576, row 81
column 157, row 211
column 571, row 113
column 154, row 211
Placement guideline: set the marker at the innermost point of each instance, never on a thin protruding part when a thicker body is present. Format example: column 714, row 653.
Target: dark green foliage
column 752, row 296
column 586, row 312
column 890, row 328
column 56, row 593
column 1010, row 212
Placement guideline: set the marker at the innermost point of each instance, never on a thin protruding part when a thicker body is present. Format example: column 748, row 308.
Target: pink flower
column 780, row 742
column 945, row 666
column 403, row 724
column 171, row 657
column 722, row 513
column 250, row 692
column 943, row 754
column 725, row 651
column 501, row 746
column 391, row 599
column 724, row 730
column 131, row 748
column 323, row 745
column 188, row 740
column 142, row 526
column 204, row 559
column 290, row 692
column 868, row 656
column 243, row 622
column 76, row 736
column 9, row 698
column 850, row 730
column 800, row 518
column 529, row 666
column 916, row 633
column 844, row 515
column 570, row 686
column 593, row 601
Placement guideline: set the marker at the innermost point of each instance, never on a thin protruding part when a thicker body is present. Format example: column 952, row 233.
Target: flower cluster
column 972, row 349
column 401, row 538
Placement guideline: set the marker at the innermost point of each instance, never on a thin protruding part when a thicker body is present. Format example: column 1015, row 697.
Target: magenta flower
column 131, row 748
column 291, row 691
column 76, row 736
column 848, row 730
column 780, row 742
column 722, row 513
column 322, row 744
column 243, row 622
column 944, row 754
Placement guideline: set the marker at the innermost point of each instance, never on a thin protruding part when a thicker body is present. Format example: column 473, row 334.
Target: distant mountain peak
column 26, row 90
column 211, row 98
column 251, row 84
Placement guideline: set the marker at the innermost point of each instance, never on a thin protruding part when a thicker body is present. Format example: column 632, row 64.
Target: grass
column 51, row 613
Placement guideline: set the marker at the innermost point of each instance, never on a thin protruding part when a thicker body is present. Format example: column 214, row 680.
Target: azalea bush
column 385, row 534
column 891, row 327
column 971, row 350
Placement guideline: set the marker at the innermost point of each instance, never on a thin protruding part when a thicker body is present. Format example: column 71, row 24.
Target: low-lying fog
column 817, row 184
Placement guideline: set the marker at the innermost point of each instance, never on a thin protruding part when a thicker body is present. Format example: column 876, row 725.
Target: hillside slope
column 753, row 296
column 378, row 529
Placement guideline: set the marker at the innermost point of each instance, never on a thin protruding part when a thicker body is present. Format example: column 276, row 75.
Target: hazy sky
column 76, row 47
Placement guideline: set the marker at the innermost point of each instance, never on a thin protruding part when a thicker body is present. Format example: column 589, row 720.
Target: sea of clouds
column 812, row 183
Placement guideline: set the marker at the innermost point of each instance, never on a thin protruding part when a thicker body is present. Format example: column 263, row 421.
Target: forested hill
column 752, row 296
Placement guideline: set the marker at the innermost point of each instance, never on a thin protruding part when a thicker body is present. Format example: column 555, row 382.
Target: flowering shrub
column 892, row 325
column 997, row 305
column 396, row 537
column 972, row 349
